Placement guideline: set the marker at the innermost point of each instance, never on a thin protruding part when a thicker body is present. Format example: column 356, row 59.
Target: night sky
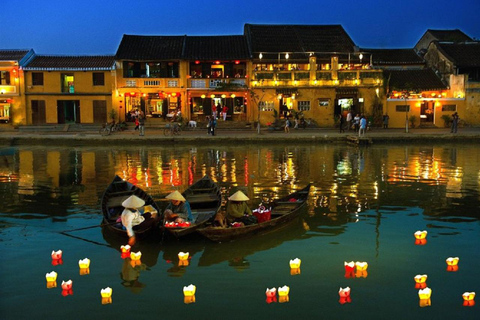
column 96, row 26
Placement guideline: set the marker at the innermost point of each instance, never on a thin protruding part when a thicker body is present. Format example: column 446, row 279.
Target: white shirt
column 349, row 116
column 131, row 219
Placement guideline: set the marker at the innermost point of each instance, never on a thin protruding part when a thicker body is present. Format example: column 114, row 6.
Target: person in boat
column 238, row 210
column 178, row 210
column 131, row 217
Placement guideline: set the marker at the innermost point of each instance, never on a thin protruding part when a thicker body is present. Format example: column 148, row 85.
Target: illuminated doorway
column 68, row 111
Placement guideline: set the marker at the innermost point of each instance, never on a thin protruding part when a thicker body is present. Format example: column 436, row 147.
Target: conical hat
column 175, row 195
column 238, row 196
column 133, row 202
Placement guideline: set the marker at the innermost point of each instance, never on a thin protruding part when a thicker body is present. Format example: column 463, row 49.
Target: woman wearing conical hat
column 131, row 217
column 238, row 210
column 178, row 210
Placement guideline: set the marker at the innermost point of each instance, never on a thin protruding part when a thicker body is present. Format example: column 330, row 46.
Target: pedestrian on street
column 141, row 123
column 385, row 121
column 208, row 124
column 349, row 120
column 287, row 125
column 455, row 119
column 363, row 126
column 342, row 123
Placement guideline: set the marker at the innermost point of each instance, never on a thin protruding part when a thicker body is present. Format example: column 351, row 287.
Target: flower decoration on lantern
column 361, row 269
column 468, row 299
column 349, row 269
column 344, row 294
column 420, row 281
column 452, row 264
column 51, row 279
column 420, row 237
column 106, row 295
column 67, row 288
column 57, row 257
column 271, row 295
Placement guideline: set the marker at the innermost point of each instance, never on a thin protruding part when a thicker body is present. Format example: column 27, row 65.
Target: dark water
column 366, row 205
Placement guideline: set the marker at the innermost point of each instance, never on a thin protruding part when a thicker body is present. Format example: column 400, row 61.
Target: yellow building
column 68, row 89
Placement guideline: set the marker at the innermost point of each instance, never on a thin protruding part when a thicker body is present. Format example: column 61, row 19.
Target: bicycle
column 107, row 128
column 172, row 129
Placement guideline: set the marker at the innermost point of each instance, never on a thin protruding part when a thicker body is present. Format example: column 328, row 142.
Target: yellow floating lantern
column 106, row 293
column 420, row 234
column 189, row 299
column 452, row 261
column 361, row 266
column 468, row 299
column 135, row 256
column 189, row 291
column 294, row 271
column 84, row 264
column 51, row 276
column 425, row 293
column 283, row 291
column 183, row 256
column 295, row 263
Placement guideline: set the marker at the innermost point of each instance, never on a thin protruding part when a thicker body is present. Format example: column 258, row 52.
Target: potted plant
column 446, row 120
column 112, row 114
column 412, row 119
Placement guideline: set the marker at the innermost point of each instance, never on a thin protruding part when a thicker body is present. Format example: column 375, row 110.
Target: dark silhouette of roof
column 51, row 62
column 13, row 55
column 215, row 47
column 134, row 47
column 394, row 57
column 454, row 35
column 462, row 54
column 423, row 80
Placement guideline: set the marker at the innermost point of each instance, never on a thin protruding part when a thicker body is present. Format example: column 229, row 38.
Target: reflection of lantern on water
column 135, row 255
column 51, row 279
column 361, row 274
column 425, row 303
column 425, row 293
column 295, row 263
column 67, row 288
column 271, row 295
column 283, row 299
column 183, row 255
column 189, row 291
column 420, row 281
column 125, row 255
column 349, row 269
column 135, row 263
column 283, row 291
column 106, row 295
column 452, row 264
column 468, row 299
column 189, row 299
column 419, row 235
column 294, row 271
column 84, row 271
column 344, row 294
column 183, row 263
column 420, row 242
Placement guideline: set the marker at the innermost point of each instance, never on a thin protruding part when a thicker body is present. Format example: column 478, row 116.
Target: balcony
column 215, row 83
column 148, row 83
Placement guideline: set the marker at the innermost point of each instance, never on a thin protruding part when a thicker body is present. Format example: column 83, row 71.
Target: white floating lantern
column 183, row 255
column 135, row 256
column 84, row 264
column 295, row 263
column 106, row 293
column 283, row 291
column 51, row 276
column 189, row 291
column 425, row 294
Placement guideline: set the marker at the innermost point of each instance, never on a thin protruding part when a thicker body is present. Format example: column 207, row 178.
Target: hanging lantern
column 420, row 281
column 425, row 293
column 189, row 291
column 202, row 96
column 232, row 96
column 224, row 96
column 183, row 255
column 283, row 291
column 212, row 96
column 468, row 299
column 135, row 256
column 344, row 294
column 420, row 234
column 287, row 56
column 295, row 263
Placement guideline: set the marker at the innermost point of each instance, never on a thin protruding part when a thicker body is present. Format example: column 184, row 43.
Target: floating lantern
column 294, row 271
column 361, row 274
column 125, row 255
column 56, row 255
column 183, row 256
column 51, row 276
column 420, row 281
column 125, row 249
column 84, row 271
column 135, row 256
column 349, row 269
column 283, row 299
column 106, row 293
column 84, row 264
column 283, row 291
column 51, row 284
column 468, row 299
column 425, row 303
column 271, row 295
column 295, row 263
column 452, row 264
column 183, row 263
column 67, row 288
column 189, row 291
column 419, row 235
column 344, row 294
column 425, row 293
column 420, row 242
column 189, row 299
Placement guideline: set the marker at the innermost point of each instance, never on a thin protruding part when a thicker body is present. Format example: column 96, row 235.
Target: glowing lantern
column 212, row 96
column 420, row 234
column 85, row 263
column 468, row 299
column 56, row 255
column 452, row 264
column 294, row 271
column 362, row 266
column 51, row 284
column 425, row 303
column 189, row 299
column 283, row 291
column 135, row 256
column 344, row 294
column 425, row 293
column 420, row 242
column 125, row 249
column 361, row 274
column 295, row 263
column 183, row 255
column 189, row 291
column 106, row 293
column 271, row 295
column 52, row 276
column 283, row 299
column 84, row 271
column 202, row 96
column 349, row 269
column 67, row 288
column 420, row 281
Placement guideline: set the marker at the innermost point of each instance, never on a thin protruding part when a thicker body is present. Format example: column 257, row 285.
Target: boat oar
column 91, row 227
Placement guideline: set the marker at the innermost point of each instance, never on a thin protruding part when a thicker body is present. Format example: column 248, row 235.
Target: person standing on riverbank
column 363, row 126
column 349, row 120
column 455, row 119
column 287, row 125
column 342, row 123
column 385, row 121
column 141, row 123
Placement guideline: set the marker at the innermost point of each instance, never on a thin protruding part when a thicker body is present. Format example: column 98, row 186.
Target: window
column 150, row 69
column 303, row 105
column 4, row 78
column 67, row 82
column 323, row 102
column 98, row 79
column 266, row 105
column 402, row 108
column 449, row 107
column 37, row 78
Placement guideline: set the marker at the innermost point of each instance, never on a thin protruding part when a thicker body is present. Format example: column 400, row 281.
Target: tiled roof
column 216, row 47
column 150, row 47
column 297, row 39
column 394, row 56
column 41, row 62
column 455, row 35
column 424, row 79
column 13, row 55
column 462, row 54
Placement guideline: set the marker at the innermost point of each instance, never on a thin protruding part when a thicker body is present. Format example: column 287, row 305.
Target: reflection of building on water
column 130, row 275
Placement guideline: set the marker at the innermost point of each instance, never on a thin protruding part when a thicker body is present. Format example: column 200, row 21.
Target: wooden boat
column 205, row 200
column 112, row 208
column 283, row 210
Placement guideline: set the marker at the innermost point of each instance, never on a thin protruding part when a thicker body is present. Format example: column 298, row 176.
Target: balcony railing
column 6, row 89
column 215, row 83
column 148, row 83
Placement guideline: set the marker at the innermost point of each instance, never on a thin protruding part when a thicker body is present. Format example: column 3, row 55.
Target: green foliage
column 446, row 120
column 412, row 119
column 112, row 114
